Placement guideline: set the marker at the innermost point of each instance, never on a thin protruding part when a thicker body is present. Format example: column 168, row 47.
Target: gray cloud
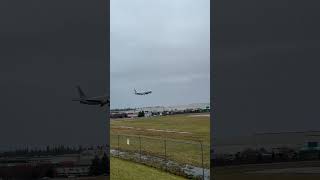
column 162, row 46
column 47, row 48
column 266, row 66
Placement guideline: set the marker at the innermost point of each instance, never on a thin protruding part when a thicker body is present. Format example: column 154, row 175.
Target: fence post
column 165, row 153
column 140, row 147
column 202, row 160
column 118, row 147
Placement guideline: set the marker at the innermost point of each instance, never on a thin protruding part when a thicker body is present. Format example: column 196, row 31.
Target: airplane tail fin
column 135, row 91
column 81, row 93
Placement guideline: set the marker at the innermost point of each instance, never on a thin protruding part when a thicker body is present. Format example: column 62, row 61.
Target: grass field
column 241, row 172
column 198, row 127
column 187, row 127
column 125, row 170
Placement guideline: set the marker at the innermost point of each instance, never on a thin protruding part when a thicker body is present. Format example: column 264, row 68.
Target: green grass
column 177, row 150
column 125, row 170
column 198, row 126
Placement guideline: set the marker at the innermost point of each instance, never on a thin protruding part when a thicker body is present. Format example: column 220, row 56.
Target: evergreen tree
column 95, row 168
column 141, row 114
column 105, row 164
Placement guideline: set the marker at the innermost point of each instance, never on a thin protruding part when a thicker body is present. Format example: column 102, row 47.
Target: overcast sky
column 47, row 48
column 161, row 46
column 266, row 65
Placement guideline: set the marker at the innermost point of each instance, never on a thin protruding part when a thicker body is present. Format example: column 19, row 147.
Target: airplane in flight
column 99, row 100
column 142, row 93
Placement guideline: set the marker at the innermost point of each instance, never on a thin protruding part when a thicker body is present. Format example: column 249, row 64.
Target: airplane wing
column 98, row 98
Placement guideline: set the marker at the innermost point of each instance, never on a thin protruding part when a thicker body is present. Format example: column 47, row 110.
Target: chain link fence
column 184, row 158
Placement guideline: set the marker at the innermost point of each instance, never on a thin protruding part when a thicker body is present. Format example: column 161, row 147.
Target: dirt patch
column 200, row 115
column 153, row 130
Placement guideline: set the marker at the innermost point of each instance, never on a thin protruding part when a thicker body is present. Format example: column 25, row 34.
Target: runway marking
column 200, row 115
column 157, row 130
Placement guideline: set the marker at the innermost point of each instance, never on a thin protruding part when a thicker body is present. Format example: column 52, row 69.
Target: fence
column 170, row 155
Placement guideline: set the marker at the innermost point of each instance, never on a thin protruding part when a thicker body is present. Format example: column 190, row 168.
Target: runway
column 154, row 130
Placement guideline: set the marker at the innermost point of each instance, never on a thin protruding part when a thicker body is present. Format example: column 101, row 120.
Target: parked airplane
column 100, row 100
column 142, row 93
